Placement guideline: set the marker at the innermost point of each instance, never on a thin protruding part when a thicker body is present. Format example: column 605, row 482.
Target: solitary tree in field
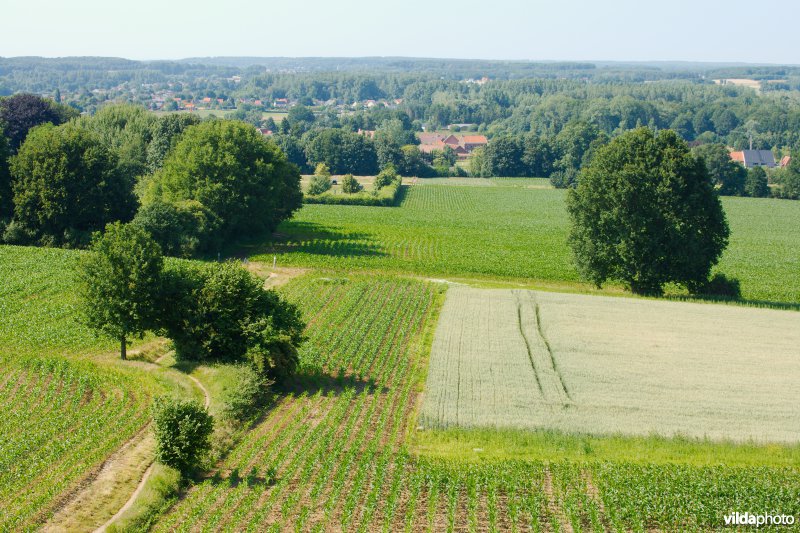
column 645, row 213
column 121, row 279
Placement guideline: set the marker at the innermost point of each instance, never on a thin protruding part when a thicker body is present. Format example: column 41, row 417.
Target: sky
column 615, row 30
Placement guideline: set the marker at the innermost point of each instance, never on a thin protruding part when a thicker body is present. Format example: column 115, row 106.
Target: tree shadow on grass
column 724, row 289
column 309, row 238
column 313, row 379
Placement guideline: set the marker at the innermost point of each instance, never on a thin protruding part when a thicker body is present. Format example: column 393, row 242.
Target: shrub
column 350, row 185
column 250, row 392
column 183, row 430
column 385, row 177
column 319, row 184
column 219, row 311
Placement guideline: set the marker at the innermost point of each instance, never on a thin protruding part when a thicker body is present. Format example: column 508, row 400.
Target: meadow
column 613, row 366
column 513, row 232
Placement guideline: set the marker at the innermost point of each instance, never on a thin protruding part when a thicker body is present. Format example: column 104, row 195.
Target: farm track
column 133, row 458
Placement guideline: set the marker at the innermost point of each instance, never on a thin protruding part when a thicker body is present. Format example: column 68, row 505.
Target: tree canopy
column 645, row 213
column 66, row 185
column 227, row 166
column 121, row 281
column 24, row 111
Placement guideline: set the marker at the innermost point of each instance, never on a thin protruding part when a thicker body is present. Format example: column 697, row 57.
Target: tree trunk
column 122, row 348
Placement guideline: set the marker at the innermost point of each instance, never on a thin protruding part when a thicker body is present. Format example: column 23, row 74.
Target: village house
column 754, row 158
column 462, row 145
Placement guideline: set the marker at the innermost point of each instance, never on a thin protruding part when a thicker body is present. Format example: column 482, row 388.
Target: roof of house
column 451, row 139
column 475, row 139
column 738, row 157
column 430, row 147
column 785, row 160
column 758, row 157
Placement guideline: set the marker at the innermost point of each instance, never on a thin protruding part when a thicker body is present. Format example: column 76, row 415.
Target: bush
column 385, row 177
column 350, row 185
column 319, row 184
column 251, row 391
column 183, row 430
column 219, row 311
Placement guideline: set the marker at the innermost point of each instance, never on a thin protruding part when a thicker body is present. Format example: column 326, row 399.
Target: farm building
column 463, row 145
column 755, row 158
column 785, row 160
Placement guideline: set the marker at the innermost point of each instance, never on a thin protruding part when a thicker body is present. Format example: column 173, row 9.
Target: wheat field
column 606, row 365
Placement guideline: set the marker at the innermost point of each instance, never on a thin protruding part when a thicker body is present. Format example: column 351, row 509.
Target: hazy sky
column 696, row 30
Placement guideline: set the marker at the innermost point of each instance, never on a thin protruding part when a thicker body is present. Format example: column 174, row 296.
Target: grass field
column 515, row 233
column 600, row 365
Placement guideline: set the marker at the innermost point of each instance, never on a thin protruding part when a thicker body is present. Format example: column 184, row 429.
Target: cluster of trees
column 192, row 185
column 210, row 311
column 559, row 157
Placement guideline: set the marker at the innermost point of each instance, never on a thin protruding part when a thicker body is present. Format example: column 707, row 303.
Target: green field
column 515, row 233
column 614, row 366
column 353, row 444
column 334, row 452
column 62, row 415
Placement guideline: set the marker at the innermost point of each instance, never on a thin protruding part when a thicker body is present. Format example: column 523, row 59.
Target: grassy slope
column 515, row 233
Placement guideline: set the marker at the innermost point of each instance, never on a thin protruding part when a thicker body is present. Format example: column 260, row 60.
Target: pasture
column 614, row 366
column 499, row 232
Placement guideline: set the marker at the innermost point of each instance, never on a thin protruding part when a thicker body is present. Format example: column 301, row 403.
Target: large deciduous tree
column 121, row 282
column 645, row 213
column 66, row 185
column 229, row 168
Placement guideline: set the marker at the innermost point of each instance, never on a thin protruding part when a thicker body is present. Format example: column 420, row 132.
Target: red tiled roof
column 738, row 157
column 475, row 139
column 785, row 160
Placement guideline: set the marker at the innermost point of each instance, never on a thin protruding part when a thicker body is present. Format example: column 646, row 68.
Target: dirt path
column 97, row 498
